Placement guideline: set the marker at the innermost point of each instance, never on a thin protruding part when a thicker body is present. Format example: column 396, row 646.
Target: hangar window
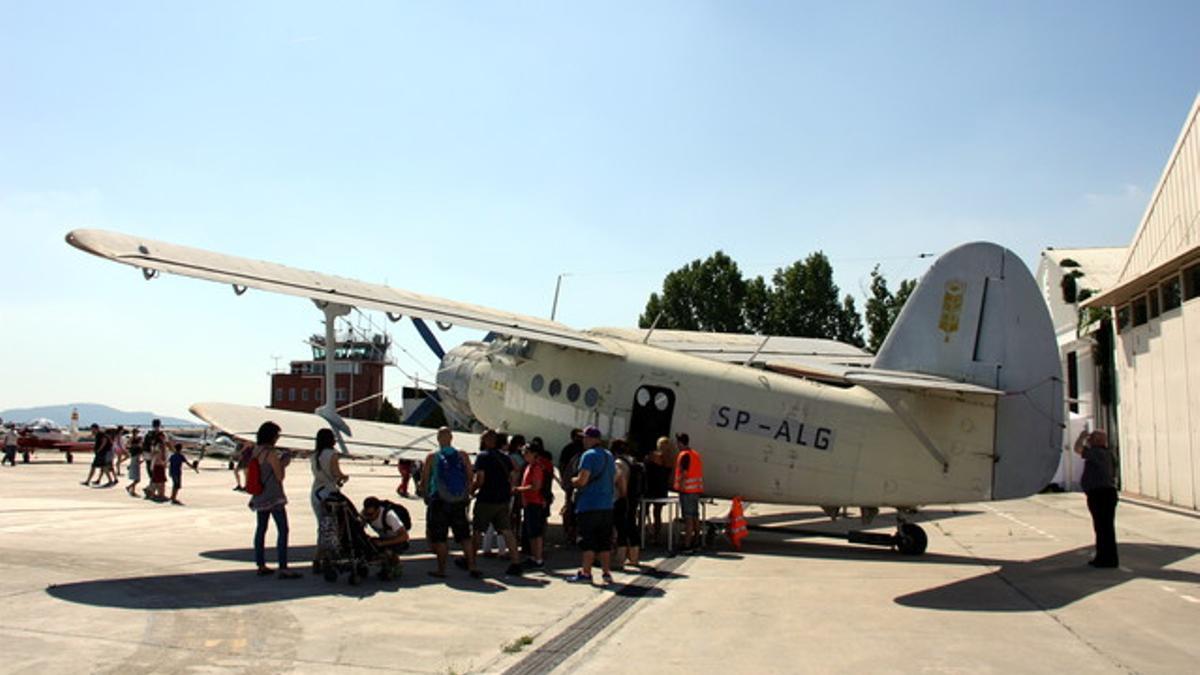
column 291, row 393
column 573, row 392
column 591, row 397
column 304, row 394
column 1139, row 311
column 1123, row 318
column 1073, row 381
column 538, row 383
column 1171, row 295
column 1191, row 282
column 339, row 395
column 555, row 387
column 1152, row 297
column 278, row 393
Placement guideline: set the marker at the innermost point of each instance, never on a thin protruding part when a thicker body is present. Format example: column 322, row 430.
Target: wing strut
column 328, row 409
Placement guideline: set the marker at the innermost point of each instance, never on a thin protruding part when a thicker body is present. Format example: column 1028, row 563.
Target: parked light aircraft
column 963, row 402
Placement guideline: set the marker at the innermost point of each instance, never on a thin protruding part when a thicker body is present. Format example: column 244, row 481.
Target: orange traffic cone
column 737, row 524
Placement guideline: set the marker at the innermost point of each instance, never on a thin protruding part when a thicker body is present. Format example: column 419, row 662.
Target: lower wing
column 368, row 439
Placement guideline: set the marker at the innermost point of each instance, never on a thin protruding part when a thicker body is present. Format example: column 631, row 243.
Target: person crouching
column 392, row 539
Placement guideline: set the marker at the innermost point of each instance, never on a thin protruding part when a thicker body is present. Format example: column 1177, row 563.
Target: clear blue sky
column 476, row 151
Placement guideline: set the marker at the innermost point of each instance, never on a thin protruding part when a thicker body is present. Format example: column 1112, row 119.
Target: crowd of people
column 499, row 504
column 152, row 453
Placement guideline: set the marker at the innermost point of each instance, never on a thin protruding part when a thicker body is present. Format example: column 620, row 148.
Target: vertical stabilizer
column 977, row 316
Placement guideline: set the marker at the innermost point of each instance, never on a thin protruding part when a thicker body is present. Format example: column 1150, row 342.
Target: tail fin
column 977, row 316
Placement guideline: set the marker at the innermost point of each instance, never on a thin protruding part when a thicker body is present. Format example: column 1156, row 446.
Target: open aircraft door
column 653, row 408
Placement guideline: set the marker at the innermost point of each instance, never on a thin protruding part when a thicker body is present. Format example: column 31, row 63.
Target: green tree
column 804, row 299
column 884, row 306
column 849, row 324
column 703, row 295
column 388, row 413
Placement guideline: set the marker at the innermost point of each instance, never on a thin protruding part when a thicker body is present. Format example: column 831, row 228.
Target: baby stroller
column 344, row 547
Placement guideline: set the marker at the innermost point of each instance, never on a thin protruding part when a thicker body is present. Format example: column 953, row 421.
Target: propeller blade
column 429, row 338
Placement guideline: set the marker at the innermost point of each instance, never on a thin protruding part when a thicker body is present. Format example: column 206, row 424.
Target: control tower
column 358, row 380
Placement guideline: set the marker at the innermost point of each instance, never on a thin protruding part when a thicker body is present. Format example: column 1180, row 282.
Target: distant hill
column 92, row 412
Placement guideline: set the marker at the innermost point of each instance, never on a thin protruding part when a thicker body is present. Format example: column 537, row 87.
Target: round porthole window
column 643, row 396
column 661, row 401
column 573, row 393
column 555, row 387
column 538, row 383
column 591, row 397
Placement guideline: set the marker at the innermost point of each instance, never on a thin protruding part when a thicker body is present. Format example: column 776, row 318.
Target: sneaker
column 606, row 577
column 514, row 570
column 265, row 571
column 288, row 574
column 580, row 578
column 531, row 564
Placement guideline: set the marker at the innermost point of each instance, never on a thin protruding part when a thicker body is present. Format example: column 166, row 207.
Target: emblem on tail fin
column 952, row 305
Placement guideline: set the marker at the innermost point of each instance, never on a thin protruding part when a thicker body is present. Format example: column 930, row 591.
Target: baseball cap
column 591, row 431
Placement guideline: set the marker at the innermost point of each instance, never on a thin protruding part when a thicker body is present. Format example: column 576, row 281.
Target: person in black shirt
column 1099, row 483
column 492, row 487
column 567, row 466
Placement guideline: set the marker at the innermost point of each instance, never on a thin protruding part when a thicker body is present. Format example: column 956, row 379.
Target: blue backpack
column 451, row 478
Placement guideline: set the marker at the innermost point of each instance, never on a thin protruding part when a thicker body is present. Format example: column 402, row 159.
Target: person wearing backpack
column 445, row 481
column 631, row 486
column 264, row 481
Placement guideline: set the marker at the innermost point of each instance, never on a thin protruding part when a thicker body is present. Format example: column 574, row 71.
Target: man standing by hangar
column 689, row 483
column 1099, row 483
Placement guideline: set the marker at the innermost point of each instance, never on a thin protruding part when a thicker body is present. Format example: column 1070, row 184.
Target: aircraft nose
column 454, row 377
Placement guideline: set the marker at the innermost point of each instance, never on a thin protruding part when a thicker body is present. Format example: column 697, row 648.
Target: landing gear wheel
column 911, row 539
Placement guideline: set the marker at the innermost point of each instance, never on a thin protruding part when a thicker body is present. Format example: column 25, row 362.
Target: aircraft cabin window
column 661, row 401
column 555, row 387
column 573, row 392
column 538, row 383
column 591, row 397
column 643, row 396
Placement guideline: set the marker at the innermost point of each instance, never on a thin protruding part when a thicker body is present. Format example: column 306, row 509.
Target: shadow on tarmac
column 1052, row 582
column 242, row 587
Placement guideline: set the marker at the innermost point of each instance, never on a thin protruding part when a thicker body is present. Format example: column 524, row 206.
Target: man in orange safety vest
column 689, row 483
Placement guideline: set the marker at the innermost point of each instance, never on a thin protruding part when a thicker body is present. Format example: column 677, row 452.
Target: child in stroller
column 344, row 546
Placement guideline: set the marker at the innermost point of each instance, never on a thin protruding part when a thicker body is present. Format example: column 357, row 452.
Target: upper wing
column 370, row 439
column 193, row 262
column 740, row 348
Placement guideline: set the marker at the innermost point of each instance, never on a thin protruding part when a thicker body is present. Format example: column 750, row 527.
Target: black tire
column 25, row 457
column 231, row 465
column 70, row 458
column 911, row 539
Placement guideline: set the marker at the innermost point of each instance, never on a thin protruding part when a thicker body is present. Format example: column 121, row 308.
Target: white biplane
column 963, row 402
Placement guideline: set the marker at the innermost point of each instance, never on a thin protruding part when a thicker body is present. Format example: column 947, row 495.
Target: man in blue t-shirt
column 594, row 497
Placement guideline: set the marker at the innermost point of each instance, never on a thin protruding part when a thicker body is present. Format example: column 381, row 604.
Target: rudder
column 977, row 316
